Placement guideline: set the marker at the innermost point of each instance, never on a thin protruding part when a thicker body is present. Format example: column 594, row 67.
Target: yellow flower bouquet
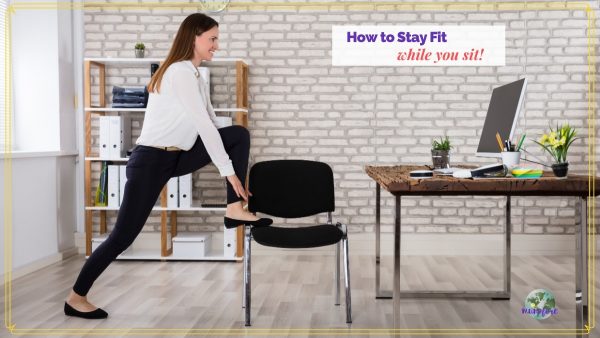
column 558, row 141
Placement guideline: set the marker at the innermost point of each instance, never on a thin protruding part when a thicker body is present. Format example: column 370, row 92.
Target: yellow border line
column 592, row 201
column 8, row 172
column 132, row 332
column 334, row 6
column 481, row 6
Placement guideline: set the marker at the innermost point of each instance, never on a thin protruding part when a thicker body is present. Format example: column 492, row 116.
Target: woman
column 178, row 137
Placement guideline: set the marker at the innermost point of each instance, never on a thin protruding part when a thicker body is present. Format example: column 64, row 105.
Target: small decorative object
column 140, row 49
column 214, row 6
column 557, row 144
column 560, row 169
column 153, row 68
column 440, row 153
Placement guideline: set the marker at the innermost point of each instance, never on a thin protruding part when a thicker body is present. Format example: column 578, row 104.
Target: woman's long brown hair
column 183, row 46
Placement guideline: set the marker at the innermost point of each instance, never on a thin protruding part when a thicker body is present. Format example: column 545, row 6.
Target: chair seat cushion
column 296, row 238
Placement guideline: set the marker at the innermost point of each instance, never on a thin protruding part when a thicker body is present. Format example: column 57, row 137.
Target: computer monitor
column 501, row 117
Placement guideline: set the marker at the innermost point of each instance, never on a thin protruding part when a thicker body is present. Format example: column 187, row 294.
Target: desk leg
column 507, row 253
column 396, row 294
column 581, row 270
column 379, row 294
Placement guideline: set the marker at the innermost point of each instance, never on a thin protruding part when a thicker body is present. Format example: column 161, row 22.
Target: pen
column 499, row 139
column 521, row 142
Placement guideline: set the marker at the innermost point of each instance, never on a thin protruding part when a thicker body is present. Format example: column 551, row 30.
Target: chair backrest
column 291, row 188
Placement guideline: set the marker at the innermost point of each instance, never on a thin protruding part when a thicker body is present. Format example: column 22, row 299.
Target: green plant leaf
column 442, row 144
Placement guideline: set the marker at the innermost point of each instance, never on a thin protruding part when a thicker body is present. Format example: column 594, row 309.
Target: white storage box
column 189, row 245
column 96, row 241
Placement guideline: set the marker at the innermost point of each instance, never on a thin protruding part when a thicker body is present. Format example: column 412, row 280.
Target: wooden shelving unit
column 240, row 112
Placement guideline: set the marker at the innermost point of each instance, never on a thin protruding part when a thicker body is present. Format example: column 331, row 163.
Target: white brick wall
column 302, row 107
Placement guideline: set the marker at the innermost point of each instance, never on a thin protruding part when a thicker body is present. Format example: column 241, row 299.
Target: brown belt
column 167, row 148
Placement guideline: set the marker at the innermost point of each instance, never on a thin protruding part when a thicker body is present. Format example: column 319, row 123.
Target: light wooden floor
column 290, row 292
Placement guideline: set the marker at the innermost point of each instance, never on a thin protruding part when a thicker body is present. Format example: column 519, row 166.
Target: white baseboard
column 69, row 252
column 416, row 244
column 34, row 266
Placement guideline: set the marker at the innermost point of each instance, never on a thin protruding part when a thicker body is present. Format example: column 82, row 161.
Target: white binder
column 114, row 137
column 119, row 136
column 173, row 192
column 185, row 191
column 113, row 186
column 229, row 242
column 103, row 138
column 122, row 181
column 125, row 135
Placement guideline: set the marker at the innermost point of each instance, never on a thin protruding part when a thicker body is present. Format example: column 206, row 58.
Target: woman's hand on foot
column 238, row 187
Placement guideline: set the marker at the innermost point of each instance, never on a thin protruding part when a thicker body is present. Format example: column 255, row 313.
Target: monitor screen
column 501, row 117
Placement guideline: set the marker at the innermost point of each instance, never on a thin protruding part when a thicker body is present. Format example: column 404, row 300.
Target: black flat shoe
column 96, row 314
column 261, row 222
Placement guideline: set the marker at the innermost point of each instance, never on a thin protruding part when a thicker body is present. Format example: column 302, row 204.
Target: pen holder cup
column 440, row 159
column 511, row 159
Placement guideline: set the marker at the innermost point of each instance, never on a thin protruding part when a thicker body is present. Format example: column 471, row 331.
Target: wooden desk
column 396, row 180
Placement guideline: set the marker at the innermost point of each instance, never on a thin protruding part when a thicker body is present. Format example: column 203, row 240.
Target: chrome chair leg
column 247, row 272
column 347, row 280
column 244, row 272
column 337, row 273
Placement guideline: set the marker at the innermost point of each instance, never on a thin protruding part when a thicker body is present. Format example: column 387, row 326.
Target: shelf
column 121, row 159
column 189, row 209
column 142, row 110
column 124, row 60
column 95, row 73
column 154, row 254
column 102, row 208
column 133, row 253
column 158, row 208
column 214, row 62
column 122, row 110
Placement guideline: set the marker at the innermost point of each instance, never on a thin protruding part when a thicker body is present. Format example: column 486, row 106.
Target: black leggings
column 148, row 170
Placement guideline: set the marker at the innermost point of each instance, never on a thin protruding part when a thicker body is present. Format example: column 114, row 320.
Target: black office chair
column 293, row 189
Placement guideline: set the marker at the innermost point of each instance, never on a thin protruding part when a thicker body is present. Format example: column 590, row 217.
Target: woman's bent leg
column 236, row 141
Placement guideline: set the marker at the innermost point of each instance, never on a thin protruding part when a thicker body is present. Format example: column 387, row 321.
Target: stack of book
column 133, row 97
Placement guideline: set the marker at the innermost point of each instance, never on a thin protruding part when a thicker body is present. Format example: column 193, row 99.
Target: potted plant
column 140, row 49
column 557, row 144
column 440, row 153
